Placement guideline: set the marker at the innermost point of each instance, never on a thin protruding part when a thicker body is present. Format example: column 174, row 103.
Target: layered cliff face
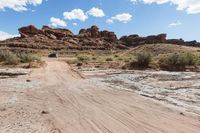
column 87, row 39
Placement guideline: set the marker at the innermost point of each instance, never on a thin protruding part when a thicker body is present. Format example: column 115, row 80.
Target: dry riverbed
column 59, row 99
column 175, row 89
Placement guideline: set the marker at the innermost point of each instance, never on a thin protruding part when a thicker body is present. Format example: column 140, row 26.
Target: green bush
column 116, row 56
column 178, row 60
column 27, row 57
column 8, row 57
column 109, row 59
column 198, row 61
column 190, row 59
column 94, row 58
column 75, row 61
column 143, row 58
column 83, row 57
column 120, row 58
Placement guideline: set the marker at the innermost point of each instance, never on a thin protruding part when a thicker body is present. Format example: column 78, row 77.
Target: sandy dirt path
column 63, row 102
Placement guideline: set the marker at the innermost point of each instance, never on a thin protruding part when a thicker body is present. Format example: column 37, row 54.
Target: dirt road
column 58, row 100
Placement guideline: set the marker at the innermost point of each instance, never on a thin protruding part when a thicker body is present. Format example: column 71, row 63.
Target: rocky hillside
column 87, row 39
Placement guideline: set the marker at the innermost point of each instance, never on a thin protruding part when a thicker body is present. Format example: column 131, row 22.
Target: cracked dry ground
column 58, row 100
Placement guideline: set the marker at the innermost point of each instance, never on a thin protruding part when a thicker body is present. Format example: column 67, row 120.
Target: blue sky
column 177, row 18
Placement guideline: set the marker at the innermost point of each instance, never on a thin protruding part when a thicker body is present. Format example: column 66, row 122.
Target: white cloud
column 191, row 6
column 133, row 1
column 124, row 17
column 177, row 23
column 18, row 5
column 57, row 22
column 4, row 35
column 96, row 12
column 74, row 24
column 75, row 14
column 109, row 21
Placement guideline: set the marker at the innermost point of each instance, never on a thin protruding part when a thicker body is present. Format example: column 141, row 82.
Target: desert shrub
column 198, row 61
column 73, row 61
column 8, row 57
column 127, row 60
column 178, row 60
column 27, row 57
column 83, row 57
column 143, row 58
column 190, row 59
column 4, row 54
column 94, row 58
column 109, row 59
column 12, row 60
column 120, row 58
column 116, row 56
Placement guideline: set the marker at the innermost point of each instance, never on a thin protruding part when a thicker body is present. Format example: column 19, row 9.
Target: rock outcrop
column 94, row 32
column 29, row 31
column 58, row 33
column 175, row 41
column 135, row 40
column 51, row 38
column 87, row 39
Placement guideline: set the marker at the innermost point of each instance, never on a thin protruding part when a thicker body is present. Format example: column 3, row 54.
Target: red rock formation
column 161, row 38
column 134, row 40
column 87, row 39
column 175, row 41
column 109, row 36
column 59, row 33
column 94, row 32
column 29, row 31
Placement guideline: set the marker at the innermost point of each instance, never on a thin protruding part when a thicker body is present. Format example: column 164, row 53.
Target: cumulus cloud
column 57, row 22
column 96, row 12
column 191, row 6
column 177, row 23
column 109, row 21
column 18, row 5
column 4, row 35
column 75, row 14
column 124, row 18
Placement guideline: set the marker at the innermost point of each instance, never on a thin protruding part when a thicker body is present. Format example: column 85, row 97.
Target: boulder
column 53, row 55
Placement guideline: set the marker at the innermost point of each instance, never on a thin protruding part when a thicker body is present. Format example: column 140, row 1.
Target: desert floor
column 60, row 99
